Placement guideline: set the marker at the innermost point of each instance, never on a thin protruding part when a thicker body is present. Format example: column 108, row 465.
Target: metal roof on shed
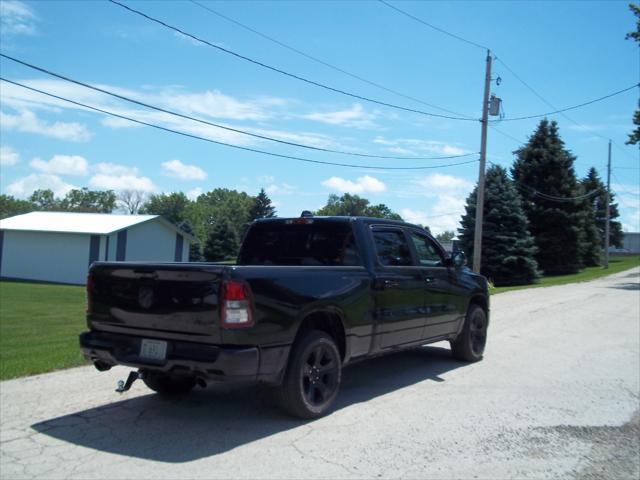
column 69, row 222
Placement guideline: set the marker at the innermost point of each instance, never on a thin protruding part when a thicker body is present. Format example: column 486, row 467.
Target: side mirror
column 458, row 259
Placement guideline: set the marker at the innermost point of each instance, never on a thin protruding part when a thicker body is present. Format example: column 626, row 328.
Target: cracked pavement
column 556, row 396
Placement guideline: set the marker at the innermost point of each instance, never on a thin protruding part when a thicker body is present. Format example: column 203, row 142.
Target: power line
column 288, row 74
column 521, row 80
column 323, row 62
column 248, row 149
column 475, row 44
column 627, row 192
column 573, row 107
column 505, row 134
column 205, row 122
column 441, row 30
column 553, row 198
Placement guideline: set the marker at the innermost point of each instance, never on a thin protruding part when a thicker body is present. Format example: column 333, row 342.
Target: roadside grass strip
column 39, row 327
column 616, row 264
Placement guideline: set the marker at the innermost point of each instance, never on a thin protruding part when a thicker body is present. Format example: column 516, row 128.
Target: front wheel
column 166, row 384
column 469, row 345
column 313, row 376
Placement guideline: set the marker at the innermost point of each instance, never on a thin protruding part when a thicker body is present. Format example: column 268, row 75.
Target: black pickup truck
column 307, row 296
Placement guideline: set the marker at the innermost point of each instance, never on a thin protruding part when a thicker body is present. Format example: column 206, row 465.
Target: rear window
column 329, row 244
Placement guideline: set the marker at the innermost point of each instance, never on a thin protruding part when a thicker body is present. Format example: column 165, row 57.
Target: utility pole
column 477, row 238
column 607, row 227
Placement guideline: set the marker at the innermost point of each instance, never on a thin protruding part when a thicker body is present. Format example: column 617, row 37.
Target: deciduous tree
column 353, row 205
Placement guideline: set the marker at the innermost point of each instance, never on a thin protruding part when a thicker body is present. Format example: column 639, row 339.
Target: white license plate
column 153, row 349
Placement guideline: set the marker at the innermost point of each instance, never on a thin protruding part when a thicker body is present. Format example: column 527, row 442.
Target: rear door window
column 314, row 244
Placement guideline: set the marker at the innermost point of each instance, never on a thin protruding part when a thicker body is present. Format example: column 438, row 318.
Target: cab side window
column 428, row 254
column 392, row 248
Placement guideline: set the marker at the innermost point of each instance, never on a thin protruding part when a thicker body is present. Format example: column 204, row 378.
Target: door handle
column 429, row 280
column 390, row 284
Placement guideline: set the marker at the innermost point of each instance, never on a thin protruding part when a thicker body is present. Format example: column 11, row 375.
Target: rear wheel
column 313, row 376
column 469, row 345
column 167, row 384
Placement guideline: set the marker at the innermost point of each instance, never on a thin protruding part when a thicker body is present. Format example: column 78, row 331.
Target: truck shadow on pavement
column 634, row 285
column 219, row 418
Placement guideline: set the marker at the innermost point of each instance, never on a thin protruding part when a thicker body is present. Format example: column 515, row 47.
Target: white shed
column 59, row 246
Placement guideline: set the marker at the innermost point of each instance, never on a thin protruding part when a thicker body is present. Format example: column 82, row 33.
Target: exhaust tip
column 102, row 366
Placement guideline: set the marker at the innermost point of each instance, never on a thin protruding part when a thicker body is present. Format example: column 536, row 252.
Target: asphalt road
column 556, row 396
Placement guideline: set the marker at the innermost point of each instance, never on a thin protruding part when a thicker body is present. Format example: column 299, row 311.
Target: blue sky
column 568, row 52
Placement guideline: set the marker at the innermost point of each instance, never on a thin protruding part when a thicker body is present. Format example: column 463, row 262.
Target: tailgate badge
column 145, row 297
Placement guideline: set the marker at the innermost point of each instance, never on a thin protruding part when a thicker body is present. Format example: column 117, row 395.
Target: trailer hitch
column 125, row 386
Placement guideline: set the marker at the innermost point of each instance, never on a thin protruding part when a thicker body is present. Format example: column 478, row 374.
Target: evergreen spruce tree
column 262, row 207
column 544, row 175
column 591, row 246
column 598, row 203
column 222, row 243
column 507, row 247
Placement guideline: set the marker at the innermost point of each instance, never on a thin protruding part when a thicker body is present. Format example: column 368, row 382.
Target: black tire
column 313, row 376
column 470, row 343
column 166, row 384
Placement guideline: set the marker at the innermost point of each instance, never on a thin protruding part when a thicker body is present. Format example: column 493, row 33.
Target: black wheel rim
column 319, row 375
column 478, row 333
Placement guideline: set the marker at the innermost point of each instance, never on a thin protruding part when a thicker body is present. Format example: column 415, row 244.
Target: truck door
column 398, row 289
column 443, row 303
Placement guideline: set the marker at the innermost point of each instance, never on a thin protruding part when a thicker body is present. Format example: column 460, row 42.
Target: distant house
column 59, row 246
column 630, row 243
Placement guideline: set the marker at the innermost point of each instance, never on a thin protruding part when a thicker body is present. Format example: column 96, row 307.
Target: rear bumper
column 211, row 362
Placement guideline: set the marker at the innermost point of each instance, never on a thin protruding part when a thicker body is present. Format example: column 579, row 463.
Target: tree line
column 217, row 219
column 543, row 219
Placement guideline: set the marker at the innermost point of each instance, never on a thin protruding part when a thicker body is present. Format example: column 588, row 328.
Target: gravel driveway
column 556, row 396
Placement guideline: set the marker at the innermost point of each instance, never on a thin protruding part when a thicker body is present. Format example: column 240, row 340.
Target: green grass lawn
column 616, row 264
column 39, row 323
column 39, row 327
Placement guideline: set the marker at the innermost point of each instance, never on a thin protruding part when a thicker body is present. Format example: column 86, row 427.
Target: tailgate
column 164, row 301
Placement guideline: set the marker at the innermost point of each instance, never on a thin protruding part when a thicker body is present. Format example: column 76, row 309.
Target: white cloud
column 16, row 18
column 194, row 193
column 356, row 117
column 416, row 146
column 122, row 182
column 27, row 121
column 415, row 216
column 114, row 122
column 177, row 169
column 439, row 181
column 62, row 165
column 266, row 179
column 188, row 39
column 115, row 169
column 365, row 184
column 444, row 215
column 280, row 189
column 205, row 105
column 8, row 156
column 213, row 103
column 24, row 187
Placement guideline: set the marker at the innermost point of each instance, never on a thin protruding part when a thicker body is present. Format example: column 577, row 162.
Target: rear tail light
column 235, row 299
column 89, row 293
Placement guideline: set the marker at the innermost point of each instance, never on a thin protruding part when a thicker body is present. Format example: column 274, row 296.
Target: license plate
column 153, row 349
